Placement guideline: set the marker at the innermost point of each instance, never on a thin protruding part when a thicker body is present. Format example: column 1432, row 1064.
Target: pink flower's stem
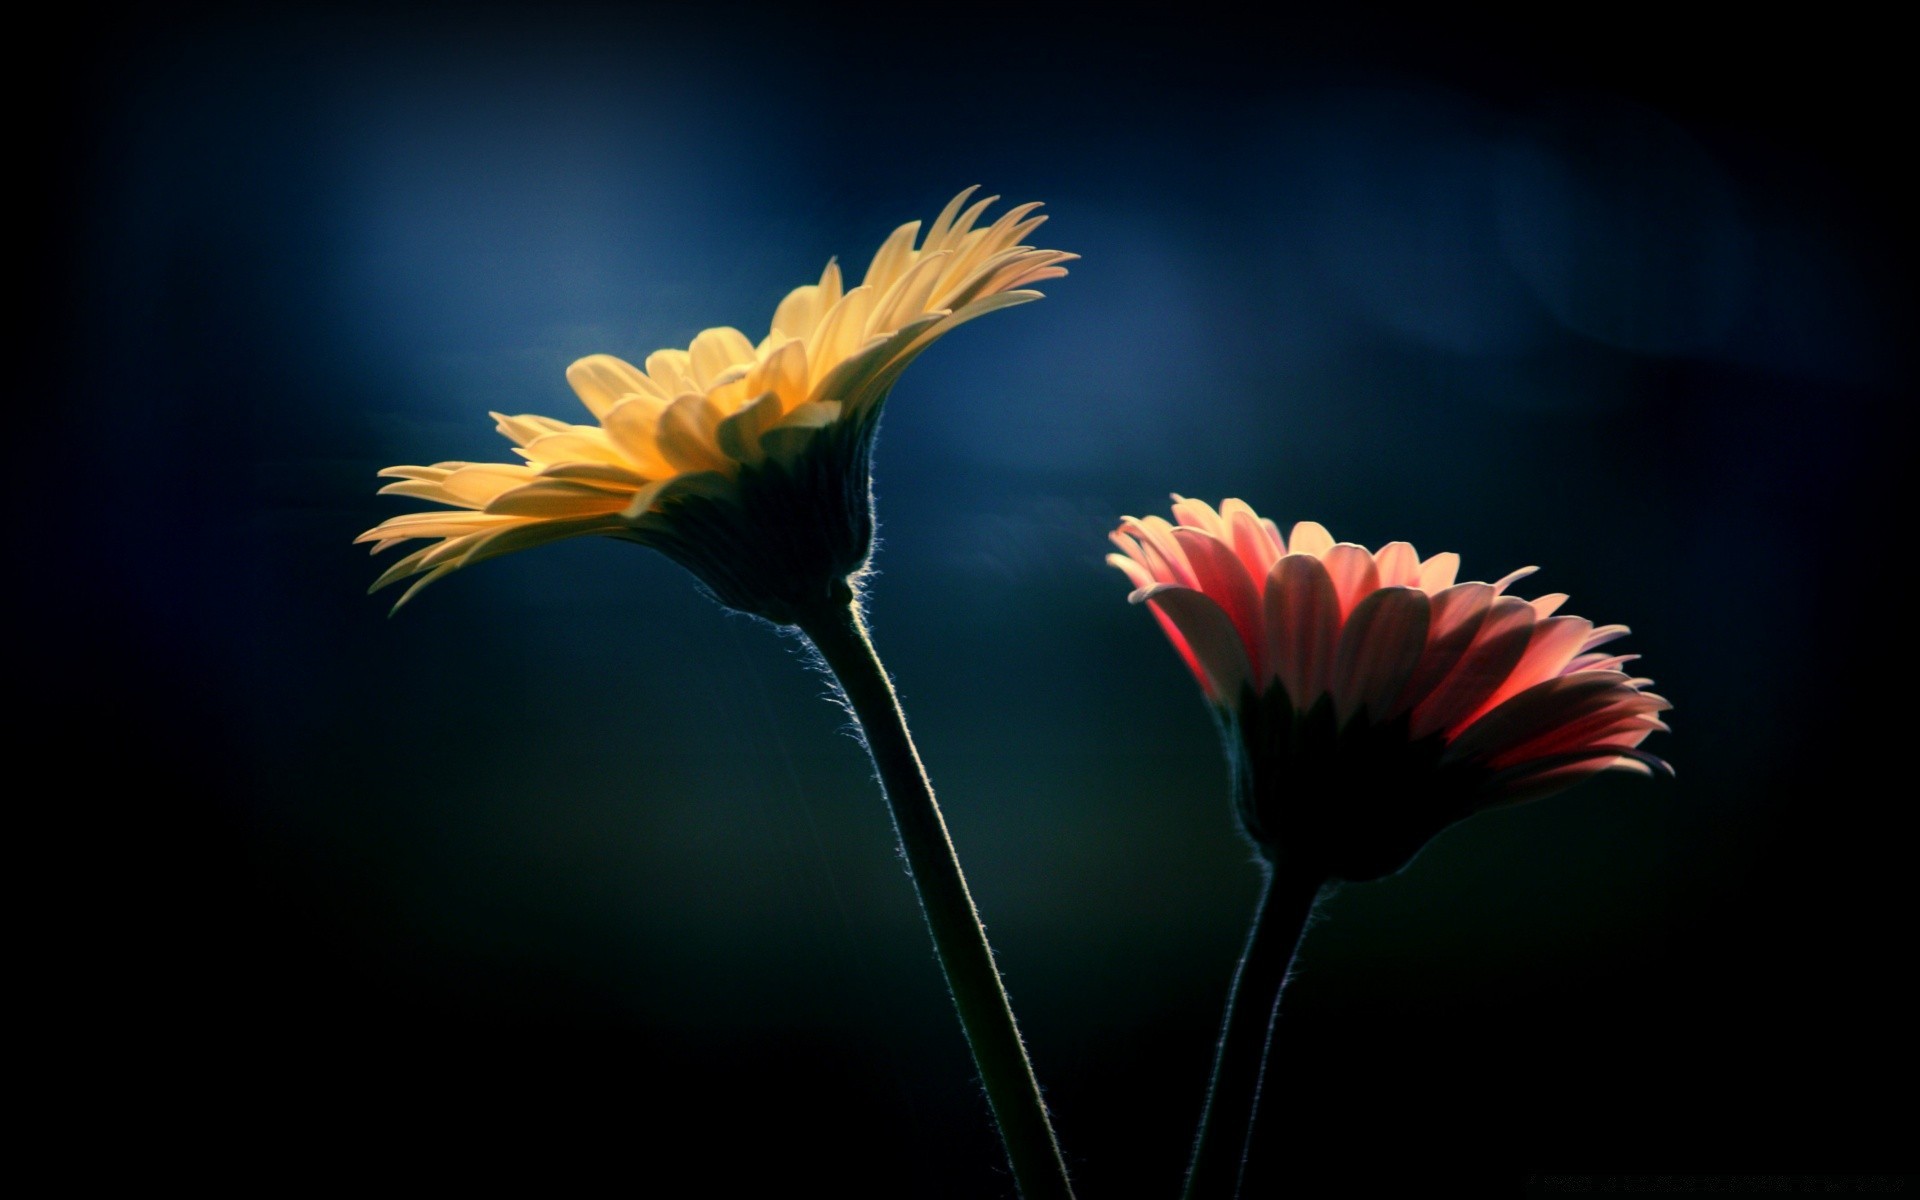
column 1221, row 1150
column 958, row 936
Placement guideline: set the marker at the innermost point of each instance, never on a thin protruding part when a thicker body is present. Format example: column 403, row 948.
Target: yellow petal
column 1005, row 232
column 831, row 288
column 783, row 372
column 602, row 381
column 856, row 380
column 430, row 525
column 419, row 584
column 433, row 474
column 421, row 489
column 840, row 331
column 671, row 372
column 634, row 427
column 687, row 435
column 474, row 485
column 961, row 232
column 526, row 427
column 799, row 313
column 798, row 428
column 910, row 341
column 893, row 257
column 739, row 435
column 715, row 350
column 582, row 443
column 607, row 476
column 907, row 298
column 401, row 568
column 937, row 232
column 556, row 498
column 528, row 534
column 698, row 483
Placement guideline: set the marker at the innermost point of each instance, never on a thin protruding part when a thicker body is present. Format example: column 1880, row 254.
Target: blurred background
column 565, row 865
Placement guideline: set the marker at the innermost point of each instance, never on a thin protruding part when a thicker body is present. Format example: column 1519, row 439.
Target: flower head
column 746, row 462
column 1368, row 700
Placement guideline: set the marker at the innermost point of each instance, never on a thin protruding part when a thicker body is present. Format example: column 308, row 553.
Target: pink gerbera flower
column 1368, row 699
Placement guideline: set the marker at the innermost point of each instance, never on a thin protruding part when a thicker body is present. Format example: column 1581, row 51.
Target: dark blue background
column 565, row 863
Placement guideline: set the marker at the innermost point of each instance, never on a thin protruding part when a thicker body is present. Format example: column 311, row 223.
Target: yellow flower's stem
column 958, row 936
column 1221, row 1150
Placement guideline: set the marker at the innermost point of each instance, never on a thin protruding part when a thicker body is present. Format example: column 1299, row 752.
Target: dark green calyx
column 783, row 537
column 1353, row 802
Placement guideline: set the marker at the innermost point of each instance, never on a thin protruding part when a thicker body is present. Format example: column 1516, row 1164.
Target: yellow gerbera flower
column 745, row 462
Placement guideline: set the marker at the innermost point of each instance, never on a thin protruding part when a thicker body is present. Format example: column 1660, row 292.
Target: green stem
column 1220, row 1152
column 958, row 937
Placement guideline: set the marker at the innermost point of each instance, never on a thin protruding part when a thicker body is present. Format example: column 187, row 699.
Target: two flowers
column 1367, row 700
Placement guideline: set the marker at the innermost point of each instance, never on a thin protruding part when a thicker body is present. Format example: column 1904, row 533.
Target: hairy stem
column 958, row 936
column 1253, row 1007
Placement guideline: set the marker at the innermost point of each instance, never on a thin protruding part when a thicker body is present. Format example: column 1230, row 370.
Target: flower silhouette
column 746, row 462
column 1368, row 700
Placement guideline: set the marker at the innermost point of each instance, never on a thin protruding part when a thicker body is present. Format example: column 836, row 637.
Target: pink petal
column 1137, row 574
column 1523, row 784
column 1497, row 645
column 1542, row 711
column 1155, row 534
column 1197, row 514
column 1303, row 625
column 1547, row 605
column 1512, row 577
column 1398, row 564
column 1309, row 537
column 1379, row 649
column 1354, row 574
column 1180, row 645
column 1457, row 613
column 1438, row 573
column 1255, row 541
column 1135, row 552
column 1603, row 635
column 1554, row 643
column 1207, row 639
column 1598, row 662
column 1613, row 723
column 1223, row 577
column 1143, row 553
